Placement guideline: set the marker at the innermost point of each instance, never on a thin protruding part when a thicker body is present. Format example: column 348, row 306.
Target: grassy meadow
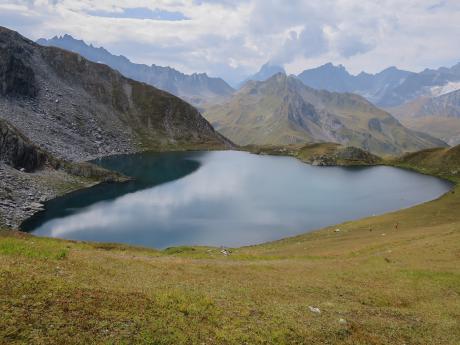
column 389, row 279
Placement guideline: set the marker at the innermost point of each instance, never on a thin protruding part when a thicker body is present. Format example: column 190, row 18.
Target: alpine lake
column 225, row 198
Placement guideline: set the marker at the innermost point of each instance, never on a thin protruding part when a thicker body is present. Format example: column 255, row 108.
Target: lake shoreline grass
column 388, row 279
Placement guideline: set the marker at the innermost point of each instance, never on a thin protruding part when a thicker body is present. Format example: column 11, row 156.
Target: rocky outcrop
column 29, row 176
column 17, row 78
column 321, row 154
column 345, row 156
column 17, row 151
column 78, row 110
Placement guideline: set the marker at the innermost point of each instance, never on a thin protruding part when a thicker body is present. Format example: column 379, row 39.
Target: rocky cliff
column 77, row 109
column 17, row 151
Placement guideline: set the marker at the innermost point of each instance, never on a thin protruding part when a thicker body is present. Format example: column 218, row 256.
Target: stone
column 314, row 310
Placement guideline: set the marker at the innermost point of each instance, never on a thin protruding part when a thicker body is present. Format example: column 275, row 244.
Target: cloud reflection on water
column 235, row 198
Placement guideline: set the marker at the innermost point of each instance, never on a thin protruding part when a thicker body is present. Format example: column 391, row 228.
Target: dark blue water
column 225, row 198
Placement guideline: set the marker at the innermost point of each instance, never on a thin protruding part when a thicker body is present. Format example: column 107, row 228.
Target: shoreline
column 372, row 281
column 452, row 181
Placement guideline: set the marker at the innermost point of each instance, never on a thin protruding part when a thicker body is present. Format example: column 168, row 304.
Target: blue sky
column 234, row 38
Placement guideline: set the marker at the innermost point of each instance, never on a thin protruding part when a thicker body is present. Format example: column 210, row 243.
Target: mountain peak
column 330, row 66
column 327, row 77
column 269, row 67
column 282, row 110
column 267, row 71
column 196, row 87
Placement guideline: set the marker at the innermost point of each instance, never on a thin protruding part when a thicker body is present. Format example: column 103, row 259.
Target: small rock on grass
column 314, row 309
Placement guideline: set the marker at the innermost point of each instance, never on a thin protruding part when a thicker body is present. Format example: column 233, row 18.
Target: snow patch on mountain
column 444, row 89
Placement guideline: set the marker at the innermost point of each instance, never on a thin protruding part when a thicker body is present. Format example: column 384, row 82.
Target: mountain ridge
column 77, row 109
column 282, row 110
column 196, row 88
column 438, row 116
column 388, row 88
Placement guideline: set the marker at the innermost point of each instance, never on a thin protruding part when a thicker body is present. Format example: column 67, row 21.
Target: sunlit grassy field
column 390, row 279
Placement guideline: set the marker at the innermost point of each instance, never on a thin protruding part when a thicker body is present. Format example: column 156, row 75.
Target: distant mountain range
column 427, row 101
column 398, row 91
column 197, row 88
column 389, row 88
column 282, row 110
column 438, row 116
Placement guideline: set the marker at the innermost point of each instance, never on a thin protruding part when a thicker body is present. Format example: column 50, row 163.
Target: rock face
column 17, row 151
column 76, row 109
column 374, row 87
column 30, row 176
column 196, row 88
column 282, row 110
column 16, row 77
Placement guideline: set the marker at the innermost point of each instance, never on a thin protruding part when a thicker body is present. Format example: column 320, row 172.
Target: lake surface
column 225, row 198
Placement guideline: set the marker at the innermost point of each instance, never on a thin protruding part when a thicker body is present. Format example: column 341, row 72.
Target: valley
column 170, row 208
column 373, row 283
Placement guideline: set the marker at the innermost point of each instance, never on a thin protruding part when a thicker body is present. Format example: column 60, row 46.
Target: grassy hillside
column 444, row 128
column 437, row 116
column 283, row 111
column 390, row 279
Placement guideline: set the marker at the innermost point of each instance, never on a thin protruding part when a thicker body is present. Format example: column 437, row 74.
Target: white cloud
column 231, row 38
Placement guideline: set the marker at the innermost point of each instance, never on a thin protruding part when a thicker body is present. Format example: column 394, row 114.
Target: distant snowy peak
column 445, row 89
column 388, row 88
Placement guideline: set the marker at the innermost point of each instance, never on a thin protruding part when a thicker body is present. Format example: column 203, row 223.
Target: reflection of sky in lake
column 236, row 198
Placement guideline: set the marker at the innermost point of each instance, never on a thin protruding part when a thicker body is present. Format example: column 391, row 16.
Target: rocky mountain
column 438, row 116
column 282, row 110
column 267, row 71
column 29, row 175
column 77, row 109
column 58, row 109
column 374, row 87
column 389, row 88
column 197, row 88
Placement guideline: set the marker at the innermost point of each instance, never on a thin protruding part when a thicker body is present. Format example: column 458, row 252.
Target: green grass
column 37, row 249
column 401, row 288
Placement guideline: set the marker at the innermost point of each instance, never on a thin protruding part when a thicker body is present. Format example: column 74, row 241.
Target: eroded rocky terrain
column 58, row 110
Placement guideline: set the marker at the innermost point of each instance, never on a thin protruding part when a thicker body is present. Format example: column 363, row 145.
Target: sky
column 232, row 39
